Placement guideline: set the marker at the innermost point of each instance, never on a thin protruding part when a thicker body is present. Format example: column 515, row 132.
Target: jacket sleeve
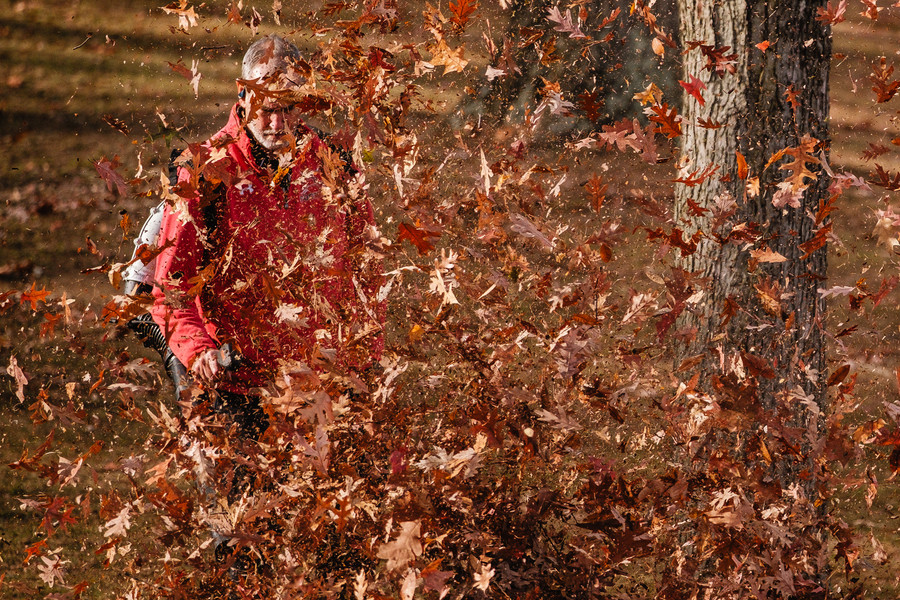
column 177, row 308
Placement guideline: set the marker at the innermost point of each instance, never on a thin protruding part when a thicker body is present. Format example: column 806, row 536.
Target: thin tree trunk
column 720, row 25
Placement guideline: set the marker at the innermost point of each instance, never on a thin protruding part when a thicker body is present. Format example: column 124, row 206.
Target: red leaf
column 883, row 178
column 887, row 286
column 791, row 97
column 181, row 69
column 872, row 9
column 675, row 239
column 709, row 124
column 716, row 59
column 462, row 10
column 839, row 375
column 757, row 365
column 697, row 177
column 612, row 17
column 591, row 105
column 36, row 549
column 596, row 191
column 881, row 78
column 693, row 88
column 106, row 169
column 874, row 151
column 832, row 14
column 817, row 241
column 417, row 237
column 669, row 121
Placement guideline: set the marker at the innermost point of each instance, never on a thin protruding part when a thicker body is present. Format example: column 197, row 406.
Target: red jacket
column 284, row 275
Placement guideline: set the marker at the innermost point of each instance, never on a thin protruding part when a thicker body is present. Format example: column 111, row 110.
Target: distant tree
column 604, row 73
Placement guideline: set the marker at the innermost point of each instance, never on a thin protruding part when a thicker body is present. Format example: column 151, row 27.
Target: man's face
column 274, row 124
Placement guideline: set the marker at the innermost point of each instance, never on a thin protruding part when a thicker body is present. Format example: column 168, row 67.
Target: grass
column 70, row 65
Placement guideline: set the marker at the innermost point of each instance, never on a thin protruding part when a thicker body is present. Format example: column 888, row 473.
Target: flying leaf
column 596, row 191
column 462, row 11
column 642, row 306
column 884, row 87
column 451, row 60
column 697, row 176
column 651, row 95
column 618, row 135
column 193, row 74
column 802, row 155
column 669, row 120
column 791, row 95
column 874, row 151
column 120, row 524
column 417, row 237
column 116, row 124
column 14, row 371
column 106, row 169
column 522, row 225
column 709, row 124
column 886, row 287
column 234, row 12
column 742, row 165
column 766, row 255
column 717, row 60
column 884, row 179
column 405, row 548
column 769, row 295
column 51, row 570
column 591, row 104
column 612, row 17
column 34, row 296
column 491, row 73
column 830, row 14
column 187, row 16
column 816, row 242
column 645, row 142
column 564, row 23
column 676, row 239
column 693, row 88
column 786, row 195
column 872, row 9
column 837, row 290
column 180, row 68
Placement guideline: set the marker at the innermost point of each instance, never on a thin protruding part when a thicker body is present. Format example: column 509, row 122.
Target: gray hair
column 272, row 52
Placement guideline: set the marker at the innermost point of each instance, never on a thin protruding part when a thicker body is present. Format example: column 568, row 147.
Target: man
column 264, row 244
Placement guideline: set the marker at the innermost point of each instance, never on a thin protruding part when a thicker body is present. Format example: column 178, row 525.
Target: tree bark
column 720, row 25
column 759, row 324
column 758, row 120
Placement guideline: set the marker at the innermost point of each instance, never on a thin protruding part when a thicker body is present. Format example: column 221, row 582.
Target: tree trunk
column 759, row 324
column 719, row 25
column 758, row 120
